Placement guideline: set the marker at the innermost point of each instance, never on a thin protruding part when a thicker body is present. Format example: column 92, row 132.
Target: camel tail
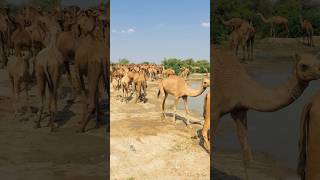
column 303, row 141
column 158, row 94
column 48, row 77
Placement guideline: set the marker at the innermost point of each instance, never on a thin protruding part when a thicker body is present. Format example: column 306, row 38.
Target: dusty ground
column 145, row 147
column 28, row 153
column 270, row 54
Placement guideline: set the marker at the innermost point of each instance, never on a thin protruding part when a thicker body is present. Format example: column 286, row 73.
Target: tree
column 123, row 61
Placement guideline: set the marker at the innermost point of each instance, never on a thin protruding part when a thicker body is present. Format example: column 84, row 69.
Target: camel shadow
column 65, row 114
column 182, row 118
column 219, row 175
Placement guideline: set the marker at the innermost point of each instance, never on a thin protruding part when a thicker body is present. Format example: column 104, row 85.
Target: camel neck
column 266, row 99
column 195, row 92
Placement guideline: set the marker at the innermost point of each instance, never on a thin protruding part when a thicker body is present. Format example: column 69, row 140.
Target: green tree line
column 195, row 66
column 248, row 9
column 199, row 66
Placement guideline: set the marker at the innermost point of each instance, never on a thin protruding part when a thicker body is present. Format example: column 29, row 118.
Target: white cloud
column 205, row 24
column 123, row 31
column 114, row 30
column 131, row 30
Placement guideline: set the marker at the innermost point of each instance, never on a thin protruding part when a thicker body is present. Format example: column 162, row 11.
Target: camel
column 235, row 92
column 20, row 39
column 307, row 31
column 244, row 37
column 275, row 21
column 90, row 62
column 168, row 73
column 18, row 70
column 206, row 125
column 184, row 72
column 48, row 70
column 140, row 84
column 309, row 159
column 233, row 23
column 177, row 86
column 125, row 87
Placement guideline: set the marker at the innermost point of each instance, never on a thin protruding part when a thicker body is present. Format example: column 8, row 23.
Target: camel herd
column 243, row 33
column 40, row 46
column 132, row 79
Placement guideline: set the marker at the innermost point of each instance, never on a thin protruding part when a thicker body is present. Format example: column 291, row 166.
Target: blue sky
column 153, row 29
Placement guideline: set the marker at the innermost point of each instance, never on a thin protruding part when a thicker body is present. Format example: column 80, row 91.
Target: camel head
column 307, row 67
column 205, row 82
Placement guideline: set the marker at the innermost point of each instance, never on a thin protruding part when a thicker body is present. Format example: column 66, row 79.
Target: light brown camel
column 275, row 21
column 177, row 87
column 125, row 80
column 206, row 125
column 243, row 36
column 140, row 84
column 184, row 72
column 168, row 72
column 18, row 70
column 233, row 23
column 309, row 146
column 48, row 70
column 235, row 92
column 307, row 31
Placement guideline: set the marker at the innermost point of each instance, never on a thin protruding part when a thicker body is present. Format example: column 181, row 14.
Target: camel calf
column 18, row 70
column 309, row 146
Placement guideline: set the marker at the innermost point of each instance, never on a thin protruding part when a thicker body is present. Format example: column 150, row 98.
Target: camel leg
column 176, row 100
column 185, row 102
column 42, row 90
column 26, row 85
column 206, row 127
column 17, row 94
column 240, row 118
column 162, row 104
column 93, row 80
column 14, row 98
column 98, row 112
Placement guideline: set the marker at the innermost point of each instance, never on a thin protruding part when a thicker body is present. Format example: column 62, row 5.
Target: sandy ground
column 28, row 153
column 143, row 146
column 228, row 164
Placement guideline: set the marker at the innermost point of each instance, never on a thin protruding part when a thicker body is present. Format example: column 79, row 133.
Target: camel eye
column 304, row 67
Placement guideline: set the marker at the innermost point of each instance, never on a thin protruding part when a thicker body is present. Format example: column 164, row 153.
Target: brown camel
column 206, row 125
column 307, row 31
column 275, row 21
column 235, row 92
column 309, row 146
column 48, row 70
column 18, row 70
column 243, row 36
column 233, row 23
column 177, row 86
column 90, row 59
